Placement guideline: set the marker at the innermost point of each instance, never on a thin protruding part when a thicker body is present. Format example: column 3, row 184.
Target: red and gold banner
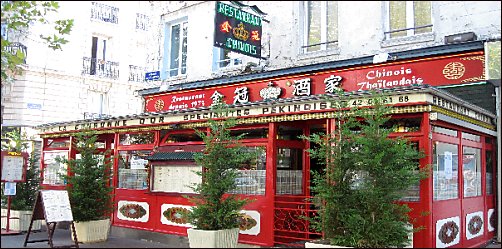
column 434, row 71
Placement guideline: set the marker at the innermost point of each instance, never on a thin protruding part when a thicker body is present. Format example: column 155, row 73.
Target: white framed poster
column 56, row 205
column 13, row 166
column 175, row 178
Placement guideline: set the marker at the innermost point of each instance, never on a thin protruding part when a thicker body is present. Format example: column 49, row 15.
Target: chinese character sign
column 435, row 71
column 237, row 30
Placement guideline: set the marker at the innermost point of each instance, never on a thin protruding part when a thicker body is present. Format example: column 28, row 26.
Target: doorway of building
column 293, row 179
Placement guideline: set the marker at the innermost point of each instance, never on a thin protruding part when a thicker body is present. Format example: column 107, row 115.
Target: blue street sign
column 34, row 106
column 152, row 75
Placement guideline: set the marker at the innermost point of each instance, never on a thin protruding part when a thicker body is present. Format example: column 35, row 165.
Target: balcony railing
column 100, row 68
column 136, row 73
column 142, row 22
column 104, row 13
column 16, row 46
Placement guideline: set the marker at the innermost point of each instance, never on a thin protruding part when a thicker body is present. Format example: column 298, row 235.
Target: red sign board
column 435, row 71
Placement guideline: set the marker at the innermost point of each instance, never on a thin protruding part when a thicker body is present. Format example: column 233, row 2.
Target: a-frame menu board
column 53, row 206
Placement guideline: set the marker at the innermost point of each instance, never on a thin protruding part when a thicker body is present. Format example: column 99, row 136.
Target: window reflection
column 321, row 24
column 51, row 143
column 53, row 170
column 132, row 169
column 489, row 172
column 289, row 171
column 471, row 170
column 445, row 171
column 252, row 178
column 136, row 138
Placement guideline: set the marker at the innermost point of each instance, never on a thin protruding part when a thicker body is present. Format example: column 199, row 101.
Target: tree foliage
column 221, row 159
column 18, row 16
column 365, row 176
column 16, row 138
column 88, row 183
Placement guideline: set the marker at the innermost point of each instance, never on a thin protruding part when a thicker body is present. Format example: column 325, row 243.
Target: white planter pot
column 213, row 238
column 21, row 221
column 316, row 244
column 92, row 231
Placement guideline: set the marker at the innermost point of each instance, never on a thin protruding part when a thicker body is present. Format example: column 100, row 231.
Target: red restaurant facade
column 154, row 150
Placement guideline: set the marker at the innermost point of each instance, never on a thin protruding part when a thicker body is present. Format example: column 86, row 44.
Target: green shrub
column 88, row 183
column 221, row 159
column 366, row 174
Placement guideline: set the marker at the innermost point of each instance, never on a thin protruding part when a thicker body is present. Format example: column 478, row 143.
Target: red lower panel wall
column 139, row 209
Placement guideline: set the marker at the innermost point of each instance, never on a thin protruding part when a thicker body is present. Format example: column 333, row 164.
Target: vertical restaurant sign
column 435, row 71
column 237, row 30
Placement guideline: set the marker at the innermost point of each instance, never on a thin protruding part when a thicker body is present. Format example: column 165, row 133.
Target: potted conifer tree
column 366, row 172
column 21, row 203
column 215, row 217
column 89, row 189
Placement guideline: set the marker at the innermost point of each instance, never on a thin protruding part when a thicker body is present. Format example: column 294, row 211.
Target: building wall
column 53, row 87
column 361, row 32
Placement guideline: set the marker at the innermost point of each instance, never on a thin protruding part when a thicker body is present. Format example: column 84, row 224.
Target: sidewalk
column 118, row 238
column 62, row 238
column 492, row 244
column 115, row 240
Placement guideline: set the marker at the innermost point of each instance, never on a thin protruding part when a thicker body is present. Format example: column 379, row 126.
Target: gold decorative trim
column 291, row 117
column 307, row 116
column 473, row 79
column 473, row 58
column 252, row 120
column 463, row 118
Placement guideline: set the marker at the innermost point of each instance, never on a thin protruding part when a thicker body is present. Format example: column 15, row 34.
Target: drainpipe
column 493, row 55
column 498, row 91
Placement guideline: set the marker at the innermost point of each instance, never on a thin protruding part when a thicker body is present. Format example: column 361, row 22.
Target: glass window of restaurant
column 447, row 165
column 471, row 164
column 252, row 174
column 445, row 171
column 169, row 137
column 52, row 171
column 289, row 162
column 132, row 165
